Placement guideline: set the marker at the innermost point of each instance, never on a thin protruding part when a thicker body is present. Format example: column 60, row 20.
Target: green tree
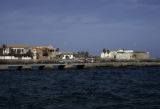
column 67, row 57
column 19, row 55
column 104, row 50
column 57, row 49
column 1, row 51
column 4, row 48
column 86, row 54
column 29, row 54
column 82, row 54
column 45, row 53
column 11, row 52
column 108, row 51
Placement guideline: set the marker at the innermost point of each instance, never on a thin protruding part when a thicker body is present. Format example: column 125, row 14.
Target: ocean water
column 118, row 88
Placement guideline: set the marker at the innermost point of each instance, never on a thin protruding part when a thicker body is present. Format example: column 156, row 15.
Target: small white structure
column 125, row 55
column 6, row 51
column 109, row 55
column 67, row 55
column 34, row 51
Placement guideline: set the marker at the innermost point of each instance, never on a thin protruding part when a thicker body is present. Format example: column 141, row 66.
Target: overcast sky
column 75, row 25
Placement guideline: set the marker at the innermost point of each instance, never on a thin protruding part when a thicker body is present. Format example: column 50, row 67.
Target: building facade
column 21, row 49
column 35, row 52
column 15, row 52
column 43, row 52
column 125, row 55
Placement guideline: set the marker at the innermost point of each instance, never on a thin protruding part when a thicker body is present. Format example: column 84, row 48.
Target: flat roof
column 66, row 53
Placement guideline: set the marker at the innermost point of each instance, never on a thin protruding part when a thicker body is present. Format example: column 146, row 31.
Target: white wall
column 118, row 55
column 23, row 50
column 127, row 55
column 26, row 58
column 124, row 55
column 6, row 51
column 34, row 54
column 110, row 55
column 12, row 57
column 70, row 56
column 104, row 55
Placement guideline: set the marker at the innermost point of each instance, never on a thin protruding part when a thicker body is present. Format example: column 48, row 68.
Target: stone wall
column 124, row 56
column 142, row 55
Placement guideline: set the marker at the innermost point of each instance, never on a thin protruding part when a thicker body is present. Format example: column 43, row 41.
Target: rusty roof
column 18, row 46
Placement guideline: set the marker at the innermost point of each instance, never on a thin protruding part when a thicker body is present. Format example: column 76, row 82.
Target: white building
column 66, row 55
column 125, row 55
column 22, row 49
column 17, row 49
column 34, row 51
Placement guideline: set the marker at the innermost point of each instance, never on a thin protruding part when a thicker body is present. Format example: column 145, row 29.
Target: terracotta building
column 42, row 52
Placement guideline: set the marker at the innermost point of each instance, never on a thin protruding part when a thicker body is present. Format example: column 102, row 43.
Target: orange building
column 42, row 52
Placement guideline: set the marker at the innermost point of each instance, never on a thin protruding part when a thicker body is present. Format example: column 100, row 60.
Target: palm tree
column 57, row 49
column 12, row 52
column 86, row 54
column 1, row 51
column 19, row 55
column 4, row 49
column 108, row 51
column 104, row 50
column 29, row 54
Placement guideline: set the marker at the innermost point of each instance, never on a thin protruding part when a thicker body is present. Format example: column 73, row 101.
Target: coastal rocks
column 3, row 67
column 46, row 67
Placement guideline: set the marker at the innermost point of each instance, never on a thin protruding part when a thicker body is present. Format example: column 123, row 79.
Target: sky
column 82, row 25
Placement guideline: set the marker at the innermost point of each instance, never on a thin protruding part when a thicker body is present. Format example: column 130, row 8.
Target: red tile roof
column 18, row 46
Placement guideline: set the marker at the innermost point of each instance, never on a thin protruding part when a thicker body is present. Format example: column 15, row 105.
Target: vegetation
column 45, row 53
column 67, row 57
column 1, row 51
column 4, row 46
column 108, row 51
column 12, row 52
column 57, row 49
column 19, row 54
column 104, row 51
column 82, row 54
column 29, row 54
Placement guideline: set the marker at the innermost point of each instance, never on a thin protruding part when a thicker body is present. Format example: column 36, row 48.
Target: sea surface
column 110, row 88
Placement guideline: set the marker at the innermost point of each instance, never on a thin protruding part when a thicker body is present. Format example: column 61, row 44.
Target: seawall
column 77, row 65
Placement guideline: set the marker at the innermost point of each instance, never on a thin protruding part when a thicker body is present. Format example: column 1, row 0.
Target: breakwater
column 77, row 65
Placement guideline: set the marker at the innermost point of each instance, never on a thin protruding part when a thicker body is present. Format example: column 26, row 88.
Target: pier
column 77, row 65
